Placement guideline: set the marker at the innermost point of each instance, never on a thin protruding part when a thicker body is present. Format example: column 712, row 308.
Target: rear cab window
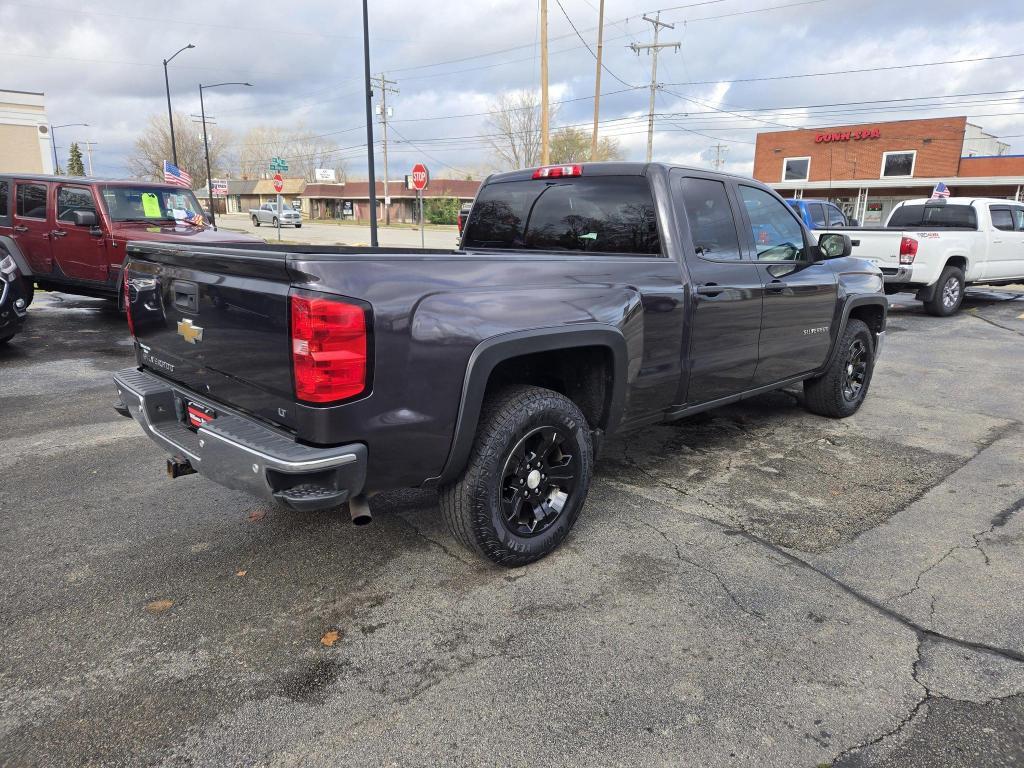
column 30, row 201
column 1001, row 217
column 599, row 214
column 5, row 201
column 933, row 215
column 817, row 212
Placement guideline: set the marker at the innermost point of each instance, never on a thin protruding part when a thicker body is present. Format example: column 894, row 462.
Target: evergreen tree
column 75, row 167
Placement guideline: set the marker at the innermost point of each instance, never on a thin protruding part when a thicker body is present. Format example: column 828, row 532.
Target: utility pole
column 653, row 49
column 720, row 150
column 384, row 86
column 88, row 153
column 597, row 80
column 545, row 147
column 372, row 183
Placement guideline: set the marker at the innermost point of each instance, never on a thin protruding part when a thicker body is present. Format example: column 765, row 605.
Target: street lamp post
column 53, row 139
column 206, row 145
column 170, row 115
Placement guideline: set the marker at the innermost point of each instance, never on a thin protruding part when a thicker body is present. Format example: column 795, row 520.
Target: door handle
column 59, row 233
column 775, row 286
column 21, row 228
column 709, row 289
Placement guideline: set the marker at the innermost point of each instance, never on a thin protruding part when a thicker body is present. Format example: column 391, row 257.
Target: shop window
column 898, row 164
column 796, row 169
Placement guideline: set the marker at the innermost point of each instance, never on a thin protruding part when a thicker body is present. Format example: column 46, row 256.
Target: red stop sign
column 420, row 176
column 278, row 182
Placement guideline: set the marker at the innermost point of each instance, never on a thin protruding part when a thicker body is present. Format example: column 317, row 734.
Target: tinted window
column 817, row 212
column 712, row 226
column 150, row 203
column 609, row 214
column 898, row 164
column 1001, row 219
column 32, row 201
column 835, row 216
column 5, row 200
column 71, row 199
column 1018, row 218
column 777, row 235
column 909, row 216
column 796, row 169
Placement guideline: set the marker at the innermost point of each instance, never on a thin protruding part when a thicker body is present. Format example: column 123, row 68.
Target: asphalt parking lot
column 753, row 586
column 327, row 233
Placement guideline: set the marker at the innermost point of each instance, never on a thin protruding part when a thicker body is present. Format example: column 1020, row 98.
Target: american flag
column 174, row 175
column 941, row 190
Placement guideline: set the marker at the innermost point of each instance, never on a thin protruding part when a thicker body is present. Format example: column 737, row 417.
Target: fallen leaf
column 159, row 606
column 330, row 638
column 241, row 573
column 257, row 515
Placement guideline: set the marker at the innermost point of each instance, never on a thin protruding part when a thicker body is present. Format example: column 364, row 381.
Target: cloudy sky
column 744, row 66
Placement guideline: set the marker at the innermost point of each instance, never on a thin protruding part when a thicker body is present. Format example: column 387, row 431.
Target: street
column 316, row 233
column 752, row 586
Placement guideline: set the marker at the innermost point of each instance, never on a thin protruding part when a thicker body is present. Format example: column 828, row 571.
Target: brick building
column 352, row 199
column 868, row 168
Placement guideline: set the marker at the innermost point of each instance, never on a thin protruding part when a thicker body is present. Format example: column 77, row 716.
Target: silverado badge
column 189, row 332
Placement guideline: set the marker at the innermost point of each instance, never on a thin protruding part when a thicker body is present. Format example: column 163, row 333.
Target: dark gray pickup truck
column 585, row 300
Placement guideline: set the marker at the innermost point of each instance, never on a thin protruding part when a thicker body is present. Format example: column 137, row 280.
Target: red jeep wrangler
column 69, row 233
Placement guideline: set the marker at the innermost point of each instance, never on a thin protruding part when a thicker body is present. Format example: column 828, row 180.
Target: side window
column 70, row 199
column 5, row 199
column 817, row 211
column 835, row 216
column 1001, row 218
column 1018, row 218
column 712, row 226
column 31, row 201
column 777, row 235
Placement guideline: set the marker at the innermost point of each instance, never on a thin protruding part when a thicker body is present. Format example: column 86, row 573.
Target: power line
column 591, row 50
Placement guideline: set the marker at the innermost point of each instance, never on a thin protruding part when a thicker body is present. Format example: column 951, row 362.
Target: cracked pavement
column 753, row 586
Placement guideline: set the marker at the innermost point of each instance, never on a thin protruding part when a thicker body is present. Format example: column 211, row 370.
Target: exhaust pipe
column 359, row 509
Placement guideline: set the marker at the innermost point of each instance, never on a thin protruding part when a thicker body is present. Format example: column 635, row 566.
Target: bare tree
column 303, row 150
column 153, row 147
column 514, row 120
column 572, row 145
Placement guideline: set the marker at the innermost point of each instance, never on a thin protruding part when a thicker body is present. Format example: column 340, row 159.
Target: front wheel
column 949, row 293
column 255, row 221
column 298, row 226
column 28, row 290
column 274, row 222
column 840, row 391
column 526, row 479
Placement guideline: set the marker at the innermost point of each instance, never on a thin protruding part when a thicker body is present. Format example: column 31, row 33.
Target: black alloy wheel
column 856, row 370
column 538, row 480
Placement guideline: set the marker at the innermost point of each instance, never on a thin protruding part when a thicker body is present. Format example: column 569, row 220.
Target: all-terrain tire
column 473, row 506
column 949, row 293
column 839, row 392
column 28, row 290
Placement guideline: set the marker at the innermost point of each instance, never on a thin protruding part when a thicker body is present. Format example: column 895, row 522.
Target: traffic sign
column 278, row 164
column 278, row 182
column 420, row 177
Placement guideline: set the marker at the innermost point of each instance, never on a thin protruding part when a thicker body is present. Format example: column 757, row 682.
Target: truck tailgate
column 216, row 320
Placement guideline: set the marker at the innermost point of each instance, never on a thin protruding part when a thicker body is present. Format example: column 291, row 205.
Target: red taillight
column 908, row 250
column 128, row 303
column 328, row 349
column 557, row 171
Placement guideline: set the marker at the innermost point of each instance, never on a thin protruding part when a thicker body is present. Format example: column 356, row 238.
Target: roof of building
column 360, row 190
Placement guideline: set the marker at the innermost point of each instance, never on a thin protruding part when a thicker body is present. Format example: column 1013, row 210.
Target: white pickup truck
column 267, row 214
column 938, row 247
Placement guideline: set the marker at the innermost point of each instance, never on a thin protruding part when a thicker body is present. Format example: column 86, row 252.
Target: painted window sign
column 864, row 133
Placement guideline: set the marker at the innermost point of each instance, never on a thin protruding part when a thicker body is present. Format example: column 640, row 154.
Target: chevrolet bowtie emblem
column 189, row 332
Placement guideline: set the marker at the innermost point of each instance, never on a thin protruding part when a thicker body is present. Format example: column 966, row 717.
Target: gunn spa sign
column 863, row 133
